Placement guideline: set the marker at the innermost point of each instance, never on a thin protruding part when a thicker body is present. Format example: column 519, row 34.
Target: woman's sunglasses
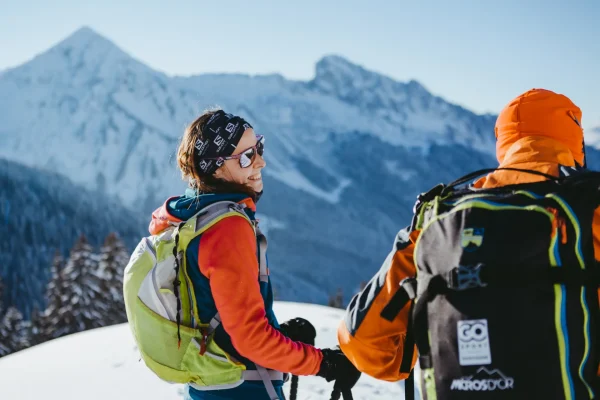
column 247, row 156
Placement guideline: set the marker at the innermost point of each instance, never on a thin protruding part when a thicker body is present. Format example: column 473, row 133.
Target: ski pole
column 337, row 393
column 294, row 388
column 310, row 334
column 347, row 394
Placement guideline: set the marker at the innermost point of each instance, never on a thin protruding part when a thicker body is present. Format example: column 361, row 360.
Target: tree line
column 85, row 291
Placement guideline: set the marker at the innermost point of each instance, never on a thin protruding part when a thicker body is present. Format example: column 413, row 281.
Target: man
column 539, row 130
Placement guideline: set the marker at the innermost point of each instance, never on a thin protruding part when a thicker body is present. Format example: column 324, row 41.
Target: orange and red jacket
column 375, row 345
column 223, row 267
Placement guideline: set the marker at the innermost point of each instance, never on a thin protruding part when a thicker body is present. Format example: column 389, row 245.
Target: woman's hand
column 336, row 367
column 299, row 330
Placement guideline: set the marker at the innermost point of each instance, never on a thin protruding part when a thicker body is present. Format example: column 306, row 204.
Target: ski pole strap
column 406, row 292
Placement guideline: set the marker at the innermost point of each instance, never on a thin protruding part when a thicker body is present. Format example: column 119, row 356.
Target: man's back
column 537, row 131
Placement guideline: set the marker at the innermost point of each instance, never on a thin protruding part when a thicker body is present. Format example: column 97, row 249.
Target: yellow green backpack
column 163, row 315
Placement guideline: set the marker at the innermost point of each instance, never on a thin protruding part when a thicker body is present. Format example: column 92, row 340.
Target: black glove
column 299, row 330
column 336, row 367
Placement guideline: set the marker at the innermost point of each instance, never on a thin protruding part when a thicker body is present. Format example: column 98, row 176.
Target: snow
column 295, row 179
column 86, row 96
column 103, row 364
column 268, row 224
column 404, row 174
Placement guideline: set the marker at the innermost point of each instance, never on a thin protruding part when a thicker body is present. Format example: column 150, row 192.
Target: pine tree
column 48, row 319
column 113, row 260
column 1, row 298
column 35, row 320
column 14, row 332
column 81, row 302
column 336, row 300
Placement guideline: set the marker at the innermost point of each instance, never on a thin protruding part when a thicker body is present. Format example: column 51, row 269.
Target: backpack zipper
column 559, row 225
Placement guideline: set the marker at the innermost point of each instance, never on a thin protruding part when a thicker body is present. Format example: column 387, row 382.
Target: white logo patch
column 230, row 127
column 219, row 140
column 484, row 380
column 474, row 342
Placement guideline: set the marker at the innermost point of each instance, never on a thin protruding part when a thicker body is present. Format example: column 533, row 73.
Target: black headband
column 220, row 137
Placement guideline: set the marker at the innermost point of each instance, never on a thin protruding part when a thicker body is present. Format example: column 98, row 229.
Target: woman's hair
column 187, row 163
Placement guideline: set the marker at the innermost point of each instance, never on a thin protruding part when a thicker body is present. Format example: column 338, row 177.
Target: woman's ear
column 219, row 173
column 223, row 173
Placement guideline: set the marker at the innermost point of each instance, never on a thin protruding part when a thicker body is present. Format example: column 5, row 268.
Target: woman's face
column 232, row 171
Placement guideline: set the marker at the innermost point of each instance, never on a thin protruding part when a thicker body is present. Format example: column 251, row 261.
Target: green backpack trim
column 166, row 327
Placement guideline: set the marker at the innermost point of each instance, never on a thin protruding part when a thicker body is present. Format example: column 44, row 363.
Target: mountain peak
column 83, row 55
column 334, row 66
column 336, row 61
column 369, row 90
column 85, row 39
column 83, row 35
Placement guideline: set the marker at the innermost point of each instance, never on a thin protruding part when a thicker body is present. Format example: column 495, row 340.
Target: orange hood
column 540, row 113
column 536, row 153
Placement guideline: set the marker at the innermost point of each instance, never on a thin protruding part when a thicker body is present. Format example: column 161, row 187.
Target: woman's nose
column 260, row 162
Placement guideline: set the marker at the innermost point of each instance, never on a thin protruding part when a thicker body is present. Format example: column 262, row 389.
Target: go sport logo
column 484, row 380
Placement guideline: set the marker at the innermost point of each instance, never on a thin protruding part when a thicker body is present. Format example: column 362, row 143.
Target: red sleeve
column 227, row 257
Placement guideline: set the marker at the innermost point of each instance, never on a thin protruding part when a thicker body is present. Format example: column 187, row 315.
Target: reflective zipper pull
column 558, row 222
column 563, row 230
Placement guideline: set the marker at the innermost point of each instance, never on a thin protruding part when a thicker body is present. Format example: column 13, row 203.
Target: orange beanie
column 540, row 112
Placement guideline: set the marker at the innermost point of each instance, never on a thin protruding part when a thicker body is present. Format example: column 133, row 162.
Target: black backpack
column 507, row 290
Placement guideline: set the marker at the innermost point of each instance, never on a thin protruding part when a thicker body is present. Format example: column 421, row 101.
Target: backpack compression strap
column 482, row 275
column 406, row 292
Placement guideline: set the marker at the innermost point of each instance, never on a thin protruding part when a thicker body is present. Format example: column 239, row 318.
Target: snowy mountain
column 42, row 213
column 347, row 151
column 110, row 366
column 592, row 137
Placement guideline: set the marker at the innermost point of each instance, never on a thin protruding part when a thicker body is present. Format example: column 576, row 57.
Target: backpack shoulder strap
column 215, row 212
column 473, row 175
column 206, row 218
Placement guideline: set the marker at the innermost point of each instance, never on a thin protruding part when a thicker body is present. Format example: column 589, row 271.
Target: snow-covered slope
column 104, row 364
column 347, row 152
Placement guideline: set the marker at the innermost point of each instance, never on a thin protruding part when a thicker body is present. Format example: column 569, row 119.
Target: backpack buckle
column 409, row 285
column 466, row 277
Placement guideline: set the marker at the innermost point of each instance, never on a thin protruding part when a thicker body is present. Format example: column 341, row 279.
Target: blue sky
column 479, row 54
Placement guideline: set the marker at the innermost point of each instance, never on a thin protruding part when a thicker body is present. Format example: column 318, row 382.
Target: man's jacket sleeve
column 373, row 344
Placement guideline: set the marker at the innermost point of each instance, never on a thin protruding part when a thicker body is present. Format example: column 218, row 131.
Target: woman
column 222, row 158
